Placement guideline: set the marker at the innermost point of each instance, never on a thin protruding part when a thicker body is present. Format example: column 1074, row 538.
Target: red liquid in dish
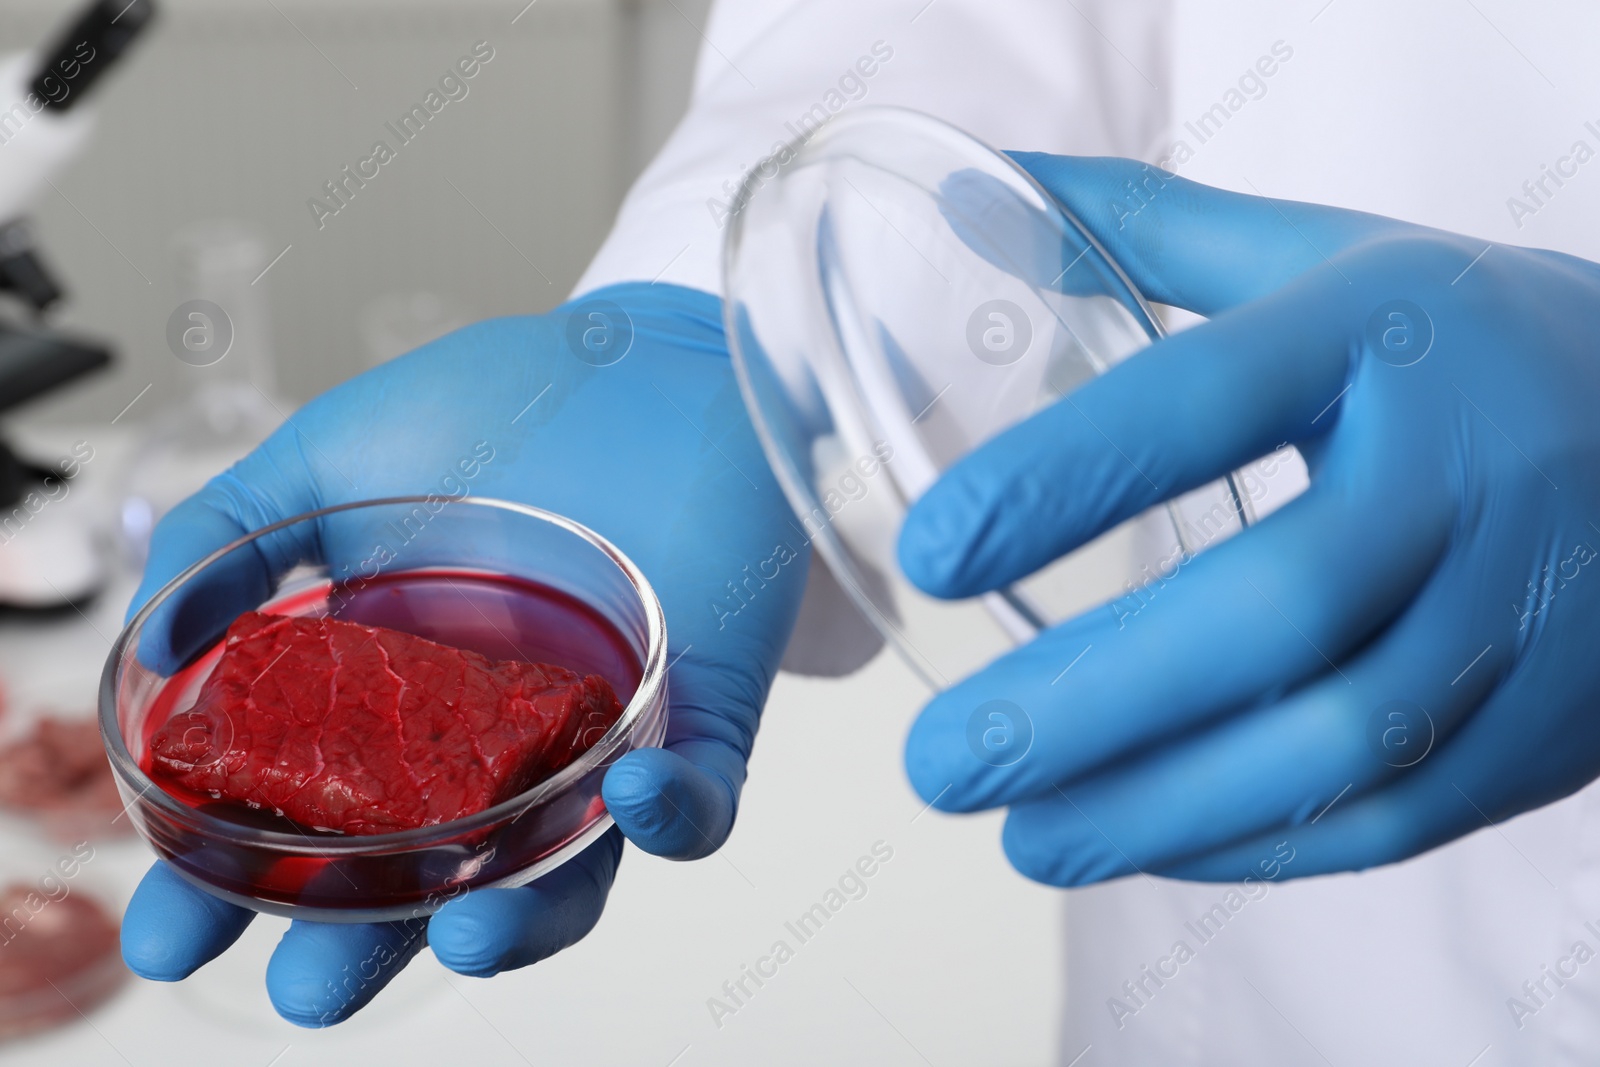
column 501, row 618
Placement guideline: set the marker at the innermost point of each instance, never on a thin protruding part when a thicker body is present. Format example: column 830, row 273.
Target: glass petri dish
column 897, row 292
column 60, row 957
column 502, row 579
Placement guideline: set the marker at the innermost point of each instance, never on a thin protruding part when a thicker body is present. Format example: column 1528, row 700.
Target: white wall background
column 226, row 111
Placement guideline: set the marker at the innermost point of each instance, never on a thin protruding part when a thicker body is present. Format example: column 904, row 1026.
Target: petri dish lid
column 897, row 292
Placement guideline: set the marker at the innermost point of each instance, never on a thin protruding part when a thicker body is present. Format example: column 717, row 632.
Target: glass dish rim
column 910, row 118
column 149, row 791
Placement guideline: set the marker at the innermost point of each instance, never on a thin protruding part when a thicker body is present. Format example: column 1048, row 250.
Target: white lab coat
column 1438, row 111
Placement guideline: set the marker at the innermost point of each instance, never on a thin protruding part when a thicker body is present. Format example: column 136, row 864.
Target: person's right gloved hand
column 655, row 453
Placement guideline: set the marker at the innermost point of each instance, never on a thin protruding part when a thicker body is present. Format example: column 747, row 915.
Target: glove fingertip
column 934, row 548
column 668, row 806
column 1071, row 177
column 171, row 929
column 322, row 973
column 925, row 558
column 488, row 931
column 1044, row 865
column 1032, row 162
column 304, row 999
column 154, row 958
column 937, row 764
column 307, row 1021
column 468, row 935
column 1040, row 843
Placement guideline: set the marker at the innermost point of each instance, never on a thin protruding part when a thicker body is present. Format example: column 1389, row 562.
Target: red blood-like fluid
column 360, row 729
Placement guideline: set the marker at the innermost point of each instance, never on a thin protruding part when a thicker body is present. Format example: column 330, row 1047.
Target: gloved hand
column 1403, row 654
column 654, row 452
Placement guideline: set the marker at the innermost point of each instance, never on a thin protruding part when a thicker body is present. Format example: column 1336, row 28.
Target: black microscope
column 39, row 131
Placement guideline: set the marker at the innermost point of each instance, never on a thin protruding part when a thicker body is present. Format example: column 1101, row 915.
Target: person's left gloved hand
column 619, row 410
column 1402, row 655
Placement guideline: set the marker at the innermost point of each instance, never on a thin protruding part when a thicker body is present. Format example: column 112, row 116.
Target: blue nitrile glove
column 654, row 452
column 1402, row 655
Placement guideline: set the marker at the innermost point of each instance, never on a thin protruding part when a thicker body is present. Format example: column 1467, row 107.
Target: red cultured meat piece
column 58, row 954
column 367, row 730
column 58, row 773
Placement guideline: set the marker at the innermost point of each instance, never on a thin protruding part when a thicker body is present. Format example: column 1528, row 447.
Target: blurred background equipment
column 219, row 416
column 42, row 128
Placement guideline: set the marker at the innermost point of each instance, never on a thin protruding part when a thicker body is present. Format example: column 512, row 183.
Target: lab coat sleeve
column 1081, row 77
